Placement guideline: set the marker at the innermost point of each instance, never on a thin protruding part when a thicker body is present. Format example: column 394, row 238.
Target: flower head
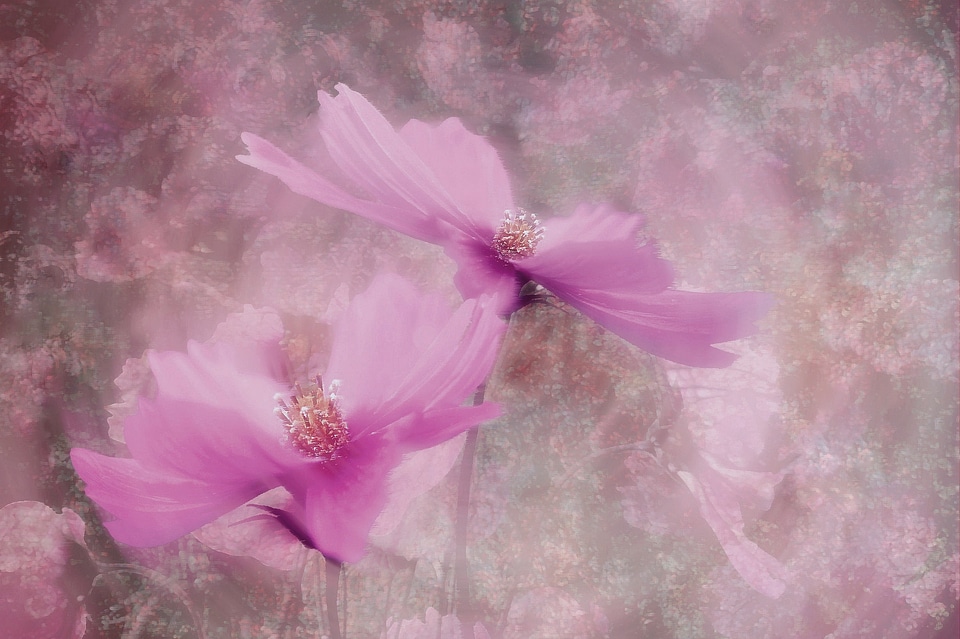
column 445, row 185
column 226, row 426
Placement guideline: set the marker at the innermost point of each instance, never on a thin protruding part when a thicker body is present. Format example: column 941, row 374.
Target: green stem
column 332, row 592
column 461, row 574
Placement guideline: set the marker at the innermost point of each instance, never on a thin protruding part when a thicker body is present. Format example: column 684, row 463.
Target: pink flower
column 445, row 185
column 35, row 550
column 400, row 367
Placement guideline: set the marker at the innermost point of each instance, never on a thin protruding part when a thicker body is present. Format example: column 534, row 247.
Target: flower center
column 518, row 235
column 313, row 422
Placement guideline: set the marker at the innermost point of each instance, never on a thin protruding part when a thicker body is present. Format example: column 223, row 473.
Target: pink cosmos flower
column 400, row 367
column 445, row 185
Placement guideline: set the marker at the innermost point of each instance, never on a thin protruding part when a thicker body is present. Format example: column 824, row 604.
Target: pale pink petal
column 248, row 531
column 371, row 357
column 467, row 166
column 419, row 471
column 592, row 261
column 597, row 248
column 436, row 426
column 152, row 507
column 480, row 272
column 374, row 156
column 453, row 365
column 722, row 513
column 198, row 441
column 424, row 358
column 208, row 374
column 342, row 498
column 305, row 181
column 753, row 488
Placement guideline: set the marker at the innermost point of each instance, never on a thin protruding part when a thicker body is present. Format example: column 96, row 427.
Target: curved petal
column 681, row 326
column 305, row 181
column 468, row 167
column 377, row 340
column 597, row 248
column 418, row 472
column 341, row 499
column 437, row 426
column 457, row 361
column 207, row 374
column 722, row 512
column 374, row 156
column 199, row 441
column 480, row 272
column 153, row 507
column 593, row 263
column 250, row 532
column 397, row 352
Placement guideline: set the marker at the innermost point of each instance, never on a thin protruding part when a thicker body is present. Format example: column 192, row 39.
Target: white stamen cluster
column 518, row 235
column 313, row 421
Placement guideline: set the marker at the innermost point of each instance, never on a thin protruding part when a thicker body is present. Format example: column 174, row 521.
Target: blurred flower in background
column 40, row 594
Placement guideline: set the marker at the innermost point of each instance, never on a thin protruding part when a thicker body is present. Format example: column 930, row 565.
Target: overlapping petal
column 720, row 508
column 425, row 358
column 592, row 260
column 150, row 506
column 448, row 186
column 375, row 157
column 303, row 180
column 467, row 165
column 210, row 441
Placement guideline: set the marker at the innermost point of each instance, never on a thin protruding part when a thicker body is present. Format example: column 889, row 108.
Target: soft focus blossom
column 400, row 367
column 35, row 547
column 720, row 492
column 447, row 186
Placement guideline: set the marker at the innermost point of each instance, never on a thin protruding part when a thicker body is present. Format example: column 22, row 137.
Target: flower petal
column 377, row 339
column 199, row 441
column 592, row 262
column 597, row 248
column 422, row 357
column 153, row 507
column 456, row 362
column 467, row 166
column 722, row 512
column 419, row 472
column 213, row 375
column 480, row 272
column 436, row 426
column 374, row 156
column 305, row 181
column 250, row 532
column 342, row 498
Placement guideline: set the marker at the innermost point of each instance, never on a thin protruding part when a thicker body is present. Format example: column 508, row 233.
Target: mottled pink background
column 803, row 147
